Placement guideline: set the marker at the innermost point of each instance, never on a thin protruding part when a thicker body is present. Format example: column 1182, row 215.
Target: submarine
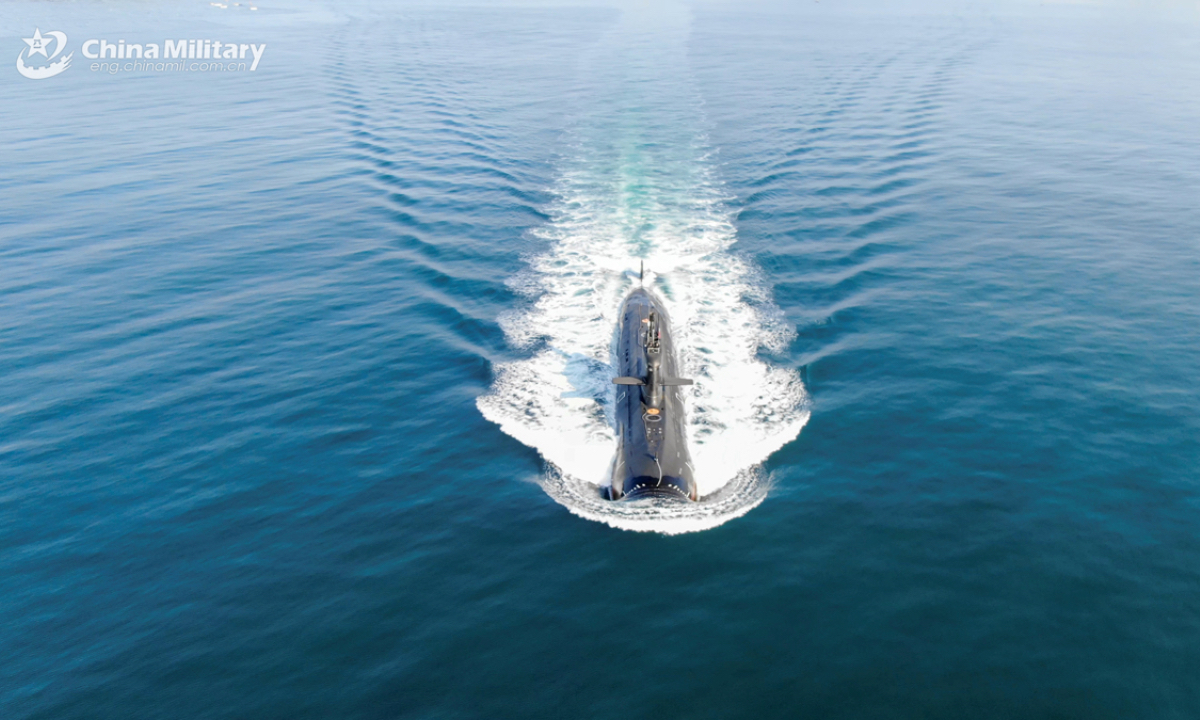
column 652, row 460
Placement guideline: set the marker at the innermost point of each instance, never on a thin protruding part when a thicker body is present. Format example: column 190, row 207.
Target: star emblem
column 37, row 43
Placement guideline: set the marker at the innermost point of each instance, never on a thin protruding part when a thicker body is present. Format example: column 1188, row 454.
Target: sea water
column 306, row 402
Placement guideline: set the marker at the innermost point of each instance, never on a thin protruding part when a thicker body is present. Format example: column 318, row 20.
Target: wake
column 560, row 400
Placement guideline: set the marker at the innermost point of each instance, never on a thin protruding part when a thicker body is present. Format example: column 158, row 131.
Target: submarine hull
column 652, row 460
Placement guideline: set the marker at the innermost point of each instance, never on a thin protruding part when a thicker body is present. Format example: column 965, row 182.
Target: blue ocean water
column 303, row 369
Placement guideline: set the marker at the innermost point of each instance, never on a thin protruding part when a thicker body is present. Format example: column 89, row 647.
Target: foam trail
column 628, row 197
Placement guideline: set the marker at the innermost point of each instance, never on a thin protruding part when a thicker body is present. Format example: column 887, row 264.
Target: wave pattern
column 833, row 174
column 641, row 188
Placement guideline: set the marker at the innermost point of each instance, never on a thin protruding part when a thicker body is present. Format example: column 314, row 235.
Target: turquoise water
column 304, row 370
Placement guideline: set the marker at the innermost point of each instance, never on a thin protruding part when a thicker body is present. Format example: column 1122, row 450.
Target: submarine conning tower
column 652, row 458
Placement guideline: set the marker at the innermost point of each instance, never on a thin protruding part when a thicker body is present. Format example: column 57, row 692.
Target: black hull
column 652, row 456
